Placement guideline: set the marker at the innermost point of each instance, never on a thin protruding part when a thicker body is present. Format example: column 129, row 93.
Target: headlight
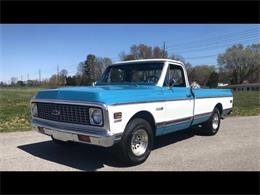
column 34, row 110
column 95, row 116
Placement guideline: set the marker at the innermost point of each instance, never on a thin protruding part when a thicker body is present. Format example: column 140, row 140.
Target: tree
column 90, row 69
column 78, row 79
column 213, row 80
column 93, row 68
column 62, row 77
column 58, row 80
column 223, row 76
column 13, row 80
column 201, row 74
column 20, row 83
column 53, row 80
column 80, row 73
column 3, row 84
column 102, row 64
column 105, row 62
column 126, row 57
column 80, row 68
column 241, row 63
column 142, row 51
column 187, row 65
column 30, row 83
column 71, row 80
column 158, row 52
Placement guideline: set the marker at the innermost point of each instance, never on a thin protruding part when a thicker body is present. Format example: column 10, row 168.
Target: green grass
column 246, row 103
column 15, row 112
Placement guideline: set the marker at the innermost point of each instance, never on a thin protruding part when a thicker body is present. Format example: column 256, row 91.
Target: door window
column 175, row 72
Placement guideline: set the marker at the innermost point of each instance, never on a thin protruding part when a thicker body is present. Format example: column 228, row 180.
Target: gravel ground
column 235, row 148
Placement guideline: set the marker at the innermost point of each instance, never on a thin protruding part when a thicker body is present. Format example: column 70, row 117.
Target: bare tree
column 241, row 63
column 14, row 80
column 141, row 51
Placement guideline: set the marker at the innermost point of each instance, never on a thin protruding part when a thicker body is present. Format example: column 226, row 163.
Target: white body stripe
column 178, row 109
column 172, row 110
column 129, row 110
column 205, row 105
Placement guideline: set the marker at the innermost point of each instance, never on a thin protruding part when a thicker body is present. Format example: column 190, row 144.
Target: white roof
column 149, row 60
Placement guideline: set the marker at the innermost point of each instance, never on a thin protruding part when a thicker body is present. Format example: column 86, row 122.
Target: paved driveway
column 235, row 148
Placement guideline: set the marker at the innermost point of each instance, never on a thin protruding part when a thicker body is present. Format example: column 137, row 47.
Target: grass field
column 15, row 113
column 246, row 103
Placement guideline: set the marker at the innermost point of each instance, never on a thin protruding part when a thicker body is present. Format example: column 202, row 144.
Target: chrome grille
column 77, row 114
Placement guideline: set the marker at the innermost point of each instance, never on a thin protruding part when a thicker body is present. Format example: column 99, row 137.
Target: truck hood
column 103, row 94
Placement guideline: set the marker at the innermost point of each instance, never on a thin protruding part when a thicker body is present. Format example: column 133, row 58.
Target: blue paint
column 107, row 94
column 204, row 93
column 116, row 94
column 180, row 126
column 175, row 93
column 172, row 128
column 200, row 120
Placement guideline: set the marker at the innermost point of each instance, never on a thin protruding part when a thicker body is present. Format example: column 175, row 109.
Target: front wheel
column 211, row 126
column 137, row 142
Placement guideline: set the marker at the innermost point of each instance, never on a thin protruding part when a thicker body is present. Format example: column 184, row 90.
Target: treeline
column 238, row 64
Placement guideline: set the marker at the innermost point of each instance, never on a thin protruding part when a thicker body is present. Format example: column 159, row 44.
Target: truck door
column 178, row 99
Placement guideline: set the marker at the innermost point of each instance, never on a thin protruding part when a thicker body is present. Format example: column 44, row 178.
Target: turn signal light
column 84, row 138
column 117, row 115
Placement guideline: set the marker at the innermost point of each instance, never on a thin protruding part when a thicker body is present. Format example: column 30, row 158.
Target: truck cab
column 131, row 104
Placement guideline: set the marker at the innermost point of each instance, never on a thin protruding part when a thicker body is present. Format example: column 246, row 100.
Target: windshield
column 132, row 73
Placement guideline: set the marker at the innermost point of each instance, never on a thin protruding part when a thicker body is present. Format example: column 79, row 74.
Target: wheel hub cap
column 215, row 121
column 139, row 142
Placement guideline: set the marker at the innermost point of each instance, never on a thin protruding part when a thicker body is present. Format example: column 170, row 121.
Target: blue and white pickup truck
column 131, row 104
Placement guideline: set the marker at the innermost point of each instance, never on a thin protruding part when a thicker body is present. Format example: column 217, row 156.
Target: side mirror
column 171, row 83
column 195, row 85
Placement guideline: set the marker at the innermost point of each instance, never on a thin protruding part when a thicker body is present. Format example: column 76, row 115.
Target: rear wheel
column 136, row 143
column 211, row 126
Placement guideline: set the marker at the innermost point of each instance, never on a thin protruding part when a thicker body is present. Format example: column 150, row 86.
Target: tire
column 136, row 143
column 211, row 126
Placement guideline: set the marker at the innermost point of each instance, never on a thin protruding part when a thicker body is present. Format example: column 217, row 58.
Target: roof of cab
column 148, row 60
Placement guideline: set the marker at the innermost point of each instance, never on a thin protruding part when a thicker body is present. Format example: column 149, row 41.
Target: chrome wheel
column 139, row 142
column 215, row 121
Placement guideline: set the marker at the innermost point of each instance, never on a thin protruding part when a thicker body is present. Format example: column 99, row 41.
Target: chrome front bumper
column 73, row 132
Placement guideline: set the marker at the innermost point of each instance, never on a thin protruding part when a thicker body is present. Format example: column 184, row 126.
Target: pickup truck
column 131, row 104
